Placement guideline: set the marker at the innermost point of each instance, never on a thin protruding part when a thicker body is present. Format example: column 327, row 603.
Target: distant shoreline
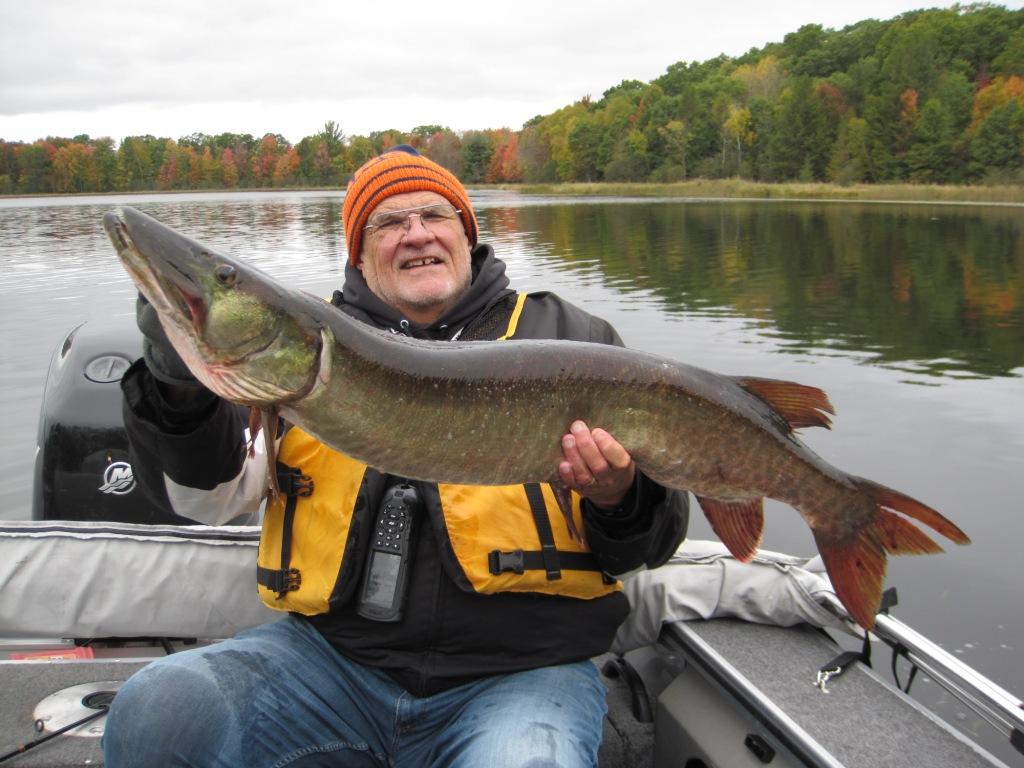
column 754, row 190
column 695, row 189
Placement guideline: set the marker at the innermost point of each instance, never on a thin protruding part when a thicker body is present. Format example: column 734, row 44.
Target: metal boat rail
column 997, row 706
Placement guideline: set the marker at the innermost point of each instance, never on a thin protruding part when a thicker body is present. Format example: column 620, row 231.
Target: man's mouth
column 424, row 262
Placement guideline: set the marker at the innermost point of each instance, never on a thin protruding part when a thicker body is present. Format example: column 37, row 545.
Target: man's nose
column 416, row 229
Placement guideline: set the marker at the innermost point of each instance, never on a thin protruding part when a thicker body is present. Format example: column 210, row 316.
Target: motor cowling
column 82, row 468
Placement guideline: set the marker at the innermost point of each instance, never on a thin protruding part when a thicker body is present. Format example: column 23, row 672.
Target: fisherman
column 465, row 643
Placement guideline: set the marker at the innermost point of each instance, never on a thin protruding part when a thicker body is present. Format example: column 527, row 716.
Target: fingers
column 612, row 451
column 583, row 455
column 595, row 465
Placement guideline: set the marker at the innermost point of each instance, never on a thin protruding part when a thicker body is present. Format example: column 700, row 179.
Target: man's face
column 422, row 271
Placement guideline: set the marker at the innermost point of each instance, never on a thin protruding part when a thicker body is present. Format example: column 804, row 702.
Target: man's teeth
column 420, row 263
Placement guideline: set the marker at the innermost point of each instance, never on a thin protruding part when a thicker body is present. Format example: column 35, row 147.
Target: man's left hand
column 595, row 465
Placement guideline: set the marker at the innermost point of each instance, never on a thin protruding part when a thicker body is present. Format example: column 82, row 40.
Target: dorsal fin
column 798, row 404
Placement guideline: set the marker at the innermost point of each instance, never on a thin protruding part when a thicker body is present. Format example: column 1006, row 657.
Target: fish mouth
column 189, row 304
column 174, row 273
column 169, row 288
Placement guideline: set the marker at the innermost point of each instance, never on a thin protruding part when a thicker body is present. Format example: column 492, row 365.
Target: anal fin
column 739, row 524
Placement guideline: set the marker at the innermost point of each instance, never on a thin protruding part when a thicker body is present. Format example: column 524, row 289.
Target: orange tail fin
column 856, row 564
column 900, row 502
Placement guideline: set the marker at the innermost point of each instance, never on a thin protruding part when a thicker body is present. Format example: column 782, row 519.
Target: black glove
column 162, row 359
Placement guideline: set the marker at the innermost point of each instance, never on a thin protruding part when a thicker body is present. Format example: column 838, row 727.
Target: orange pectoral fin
column 564, row 498
column 739, row 524
column 265, row 422
column 255, row 425
column 269, row 424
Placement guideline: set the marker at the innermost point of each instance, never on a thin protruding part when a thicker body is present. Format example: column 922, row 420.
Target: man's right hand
column 176, row 381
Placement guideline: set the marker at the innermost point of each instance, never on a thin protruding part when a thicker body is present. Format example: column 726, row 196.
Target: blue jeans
column 280, row 695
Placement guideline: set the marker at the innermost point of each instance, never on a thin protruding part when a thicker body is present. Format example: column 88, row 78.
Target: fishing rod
column 99, row 701
column 102, row 710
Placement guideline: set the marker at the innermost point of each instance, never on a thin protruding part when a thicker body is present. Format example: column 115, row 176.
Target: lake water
column 911, row 317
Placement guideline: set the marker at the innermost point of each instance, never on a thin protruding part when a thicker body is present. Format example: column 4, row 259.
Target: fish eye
column 225, row 274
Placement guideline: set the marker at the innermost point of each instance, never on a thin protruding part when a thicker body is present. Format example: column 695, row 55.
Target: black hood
column 489, row 284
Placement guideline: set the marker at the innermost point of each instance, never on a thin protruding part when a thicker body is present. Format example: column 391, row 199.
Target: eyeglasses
column 390, row 222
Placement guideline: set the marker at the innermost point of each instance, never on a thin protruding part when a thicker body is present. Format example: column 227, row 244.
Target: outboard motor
column 82, row 470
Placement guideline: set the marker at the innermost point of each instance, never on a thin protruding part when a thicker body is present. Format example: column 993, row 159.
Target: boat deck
column 711, row 686
column 862, row 721
column 27, row 683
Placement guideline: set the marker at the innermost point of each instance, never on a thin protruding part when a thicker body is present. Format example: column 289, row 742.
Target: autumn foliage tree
column 286, row 168
column 503, row 167
column 265, row 162
column 930, row 96
column 228, row 167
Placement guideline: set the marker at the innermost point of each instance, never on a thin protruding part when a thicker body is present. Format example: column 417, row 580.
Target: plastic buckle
column 500, row 562
column 295, row 484
column 286, row 581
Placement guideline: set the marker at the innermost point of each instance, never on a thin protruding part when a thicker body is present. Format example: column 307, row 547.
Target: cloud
column 113, row 67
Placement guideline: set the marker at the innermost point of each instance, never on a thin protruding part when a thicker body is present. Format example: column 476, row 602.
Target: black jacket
column 447, row 635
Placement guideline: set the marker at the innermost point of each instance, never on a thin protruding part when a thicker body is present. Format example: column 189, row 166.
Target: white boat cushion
column 703, row 581
column 80, row 579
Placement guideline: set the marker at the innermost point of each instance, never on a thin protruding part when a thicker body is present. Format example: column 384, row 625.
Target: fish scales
column 470, row 402
column 493, row 413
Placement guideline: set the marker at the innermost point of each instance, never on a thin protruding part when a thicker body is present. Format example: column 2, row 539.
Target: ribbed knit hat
column 400, row 169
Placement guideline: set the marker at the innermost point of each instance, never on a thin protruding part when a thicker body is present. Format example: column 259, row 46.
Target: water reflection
column 933, row 289
column 858, row 299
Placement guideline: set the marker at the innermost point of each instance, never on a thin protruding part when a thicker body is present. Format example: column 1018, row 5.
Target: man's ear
column 359, row 263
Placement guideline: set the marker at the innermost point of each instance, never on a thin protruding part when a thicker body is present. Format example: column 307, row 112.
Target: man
column 474, row 648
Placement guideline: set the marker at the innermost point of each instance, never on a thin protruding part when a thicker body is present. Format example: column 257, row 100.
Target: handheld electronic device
column 386, row 576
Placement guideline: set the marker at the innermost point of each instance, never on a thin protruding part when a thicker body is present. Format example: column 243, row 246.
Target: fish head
column 234, row 327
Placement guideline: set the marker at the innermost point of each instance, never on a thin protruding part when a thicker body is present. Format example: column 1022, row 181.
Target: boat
column 720, row 663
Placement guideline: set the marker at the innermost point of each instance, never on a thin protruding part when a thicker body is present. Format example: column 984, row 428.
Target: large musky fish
column 493, row 413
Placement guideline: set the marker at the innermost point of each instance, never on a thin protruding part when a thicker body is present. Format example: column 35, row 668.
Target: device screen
column 382, row 579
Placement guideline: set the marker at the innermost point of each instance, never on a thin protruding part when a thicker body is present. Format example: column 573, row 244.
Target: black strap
column 547, row 538
column 519, row 561
column 846, row 659
column 293, row 484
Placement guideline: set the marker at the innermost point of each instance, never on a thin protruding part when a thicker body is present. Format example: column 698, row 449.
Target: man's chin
column 424, row 302
column 427, row 292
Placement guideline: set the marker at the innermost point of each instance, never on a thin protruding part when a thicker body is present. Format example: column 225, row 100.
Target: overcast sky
column 124, row 67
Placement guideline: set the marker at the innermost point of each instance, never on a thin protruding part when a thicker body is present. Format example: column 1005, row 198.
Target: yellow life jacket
column 499, row 538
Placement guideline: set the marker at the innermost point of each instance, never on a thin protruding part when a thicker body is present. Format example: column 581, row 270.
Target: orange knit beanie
column 400, row 169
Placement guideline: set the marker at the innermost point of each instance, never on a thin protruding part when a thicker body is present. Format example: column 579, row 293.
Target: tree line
column 930, row 96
